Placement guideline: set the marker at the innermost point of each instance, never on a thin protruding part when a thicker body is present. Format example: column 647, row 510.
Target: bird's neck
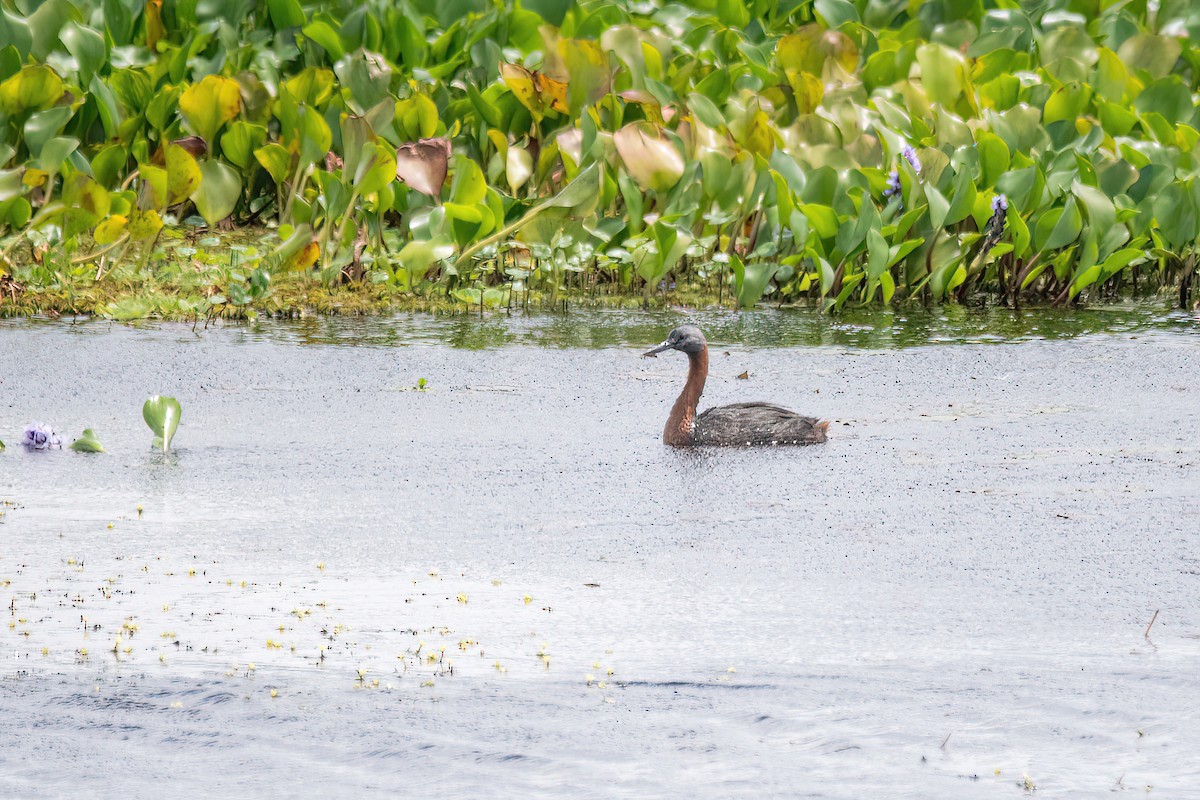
column 681, row 424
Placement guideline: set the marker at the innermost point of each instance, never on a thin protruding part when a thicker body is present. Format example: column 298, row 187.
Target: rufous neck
column 682, row 421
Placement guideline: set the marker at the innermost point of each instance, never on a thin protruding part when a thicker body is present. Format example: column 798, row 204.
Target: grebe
column 736, row 425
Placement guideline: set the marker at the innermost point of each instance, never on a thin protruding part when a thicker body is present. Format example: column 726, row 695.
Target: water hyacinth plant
column 87, row 442
column 162, row 416
column 815, row 152
column 41, row 437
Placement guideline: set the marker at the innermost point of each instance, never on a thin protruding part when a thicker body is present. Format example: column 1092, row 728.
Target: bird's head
column 686, row 339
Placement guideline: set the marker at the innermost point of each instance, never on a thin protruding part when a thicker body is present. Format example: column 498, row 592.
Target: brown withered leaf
column 423, row 164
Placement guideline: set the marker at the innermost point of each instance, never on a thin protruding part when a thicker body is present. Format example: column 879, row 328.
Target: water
column 948, row 597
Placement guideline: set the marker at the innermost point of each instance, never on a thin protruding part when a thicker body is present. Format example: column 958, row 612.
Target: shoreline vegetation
column 186, row 160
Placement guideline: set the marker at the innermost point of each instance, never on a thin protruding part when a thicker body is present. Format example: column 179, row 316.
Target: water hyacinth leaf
column 315, row 137
column 993, row 157
column 111, row 229
column 810, row 47
column 162, row 416
column 469, row 185
column 144, row 225
column 750, row 280
column 88, row 47
column 650, row 157
column 518, row 167
column 87, row 442
column 323, row 34
column 42, row 126
column 424, row 164
column 219, row 191
column 416, row 117
column 183, row 174
column 240, row 142
column 286, row 14
column 377, row 170
column 588, row 71
column 1058, row 227
column 943, row 73
column 1155, row 54
column 276, row 160
column 1020, row 231
column 209, row 104
column 1068, row 102
column 32, row 89
column 416, row 257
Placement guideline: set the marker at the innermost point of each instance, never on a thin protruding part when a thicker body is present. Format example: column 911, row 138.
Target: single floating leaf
column 88, row 442
column 162, row 415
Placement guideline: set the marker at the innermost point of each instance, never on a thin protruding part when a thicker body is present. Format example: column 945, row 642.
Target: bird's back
column 742, row 424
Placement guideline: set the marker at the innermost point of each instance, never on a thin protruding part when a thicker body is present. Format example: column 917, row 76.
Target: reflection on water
column 854, row 328
column 506, row 586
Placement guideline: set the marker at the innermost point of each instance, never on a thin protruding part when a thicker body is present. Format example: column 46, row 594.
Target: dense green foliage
column 853, row 152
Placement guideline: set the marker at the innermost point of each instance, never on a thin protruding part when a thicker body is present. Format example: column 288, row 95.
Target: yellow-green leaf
column 209, row 104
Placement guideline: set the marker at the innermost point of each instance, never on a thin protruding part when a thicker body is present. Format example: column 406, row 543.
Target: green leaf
column 943, row 73
column 183, row 174
column 220, row 188
column 649, row 156
column 239, row 142
column 1058, row 227
column 87, row 443
column 286, row 14
column 209, row 104
column 87, row 45
column 162, row 415
column 939, row 207
column 33, row 88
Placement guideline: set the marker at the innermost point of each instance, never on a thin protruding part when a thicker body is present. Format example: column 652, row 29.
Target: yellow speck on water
column 162, row 659
column 601, row 685
column 433, row 573
column 527, row 599
column 11, row 624
column 83, row 651
column 732, row 669
column 1027, row 783
column 250, row 666
column 166, row 607
column 496, row 581
column 110, row 526
column 462, row 597
column 321, row 566
column 177, row 704
column 229, row 582
column 590, row 679
column 610, row 670
column 996, row 771
column 191, row 573
column 45, row 651
column 140, row 510
column 243, row 584
column 274, row 693
column 427, row 683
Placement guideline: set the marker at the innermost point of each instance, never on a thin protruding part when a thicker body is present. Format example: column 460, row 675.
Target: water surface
column 948, row 597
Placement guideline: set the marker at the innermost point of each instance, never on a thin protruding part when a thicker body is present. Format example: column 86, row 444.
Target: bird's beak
column 659, row 349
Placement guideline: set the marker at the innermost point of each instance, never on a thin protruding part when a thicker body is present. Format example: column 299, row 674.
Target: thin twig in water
column 943, row 745
column 1151, row 625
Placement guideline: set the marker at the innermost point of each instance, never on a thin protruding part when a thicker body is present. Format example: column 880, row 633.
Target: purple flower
column 910, row 155
column 999, row 203
column 41, row 437
column 893, row 185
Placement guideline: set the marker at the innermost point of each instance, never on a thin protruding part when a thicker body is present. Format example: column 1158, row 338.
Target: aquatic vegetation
column 485, row 152
column 41, row 437
column 162, row 415
column 87, row 442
